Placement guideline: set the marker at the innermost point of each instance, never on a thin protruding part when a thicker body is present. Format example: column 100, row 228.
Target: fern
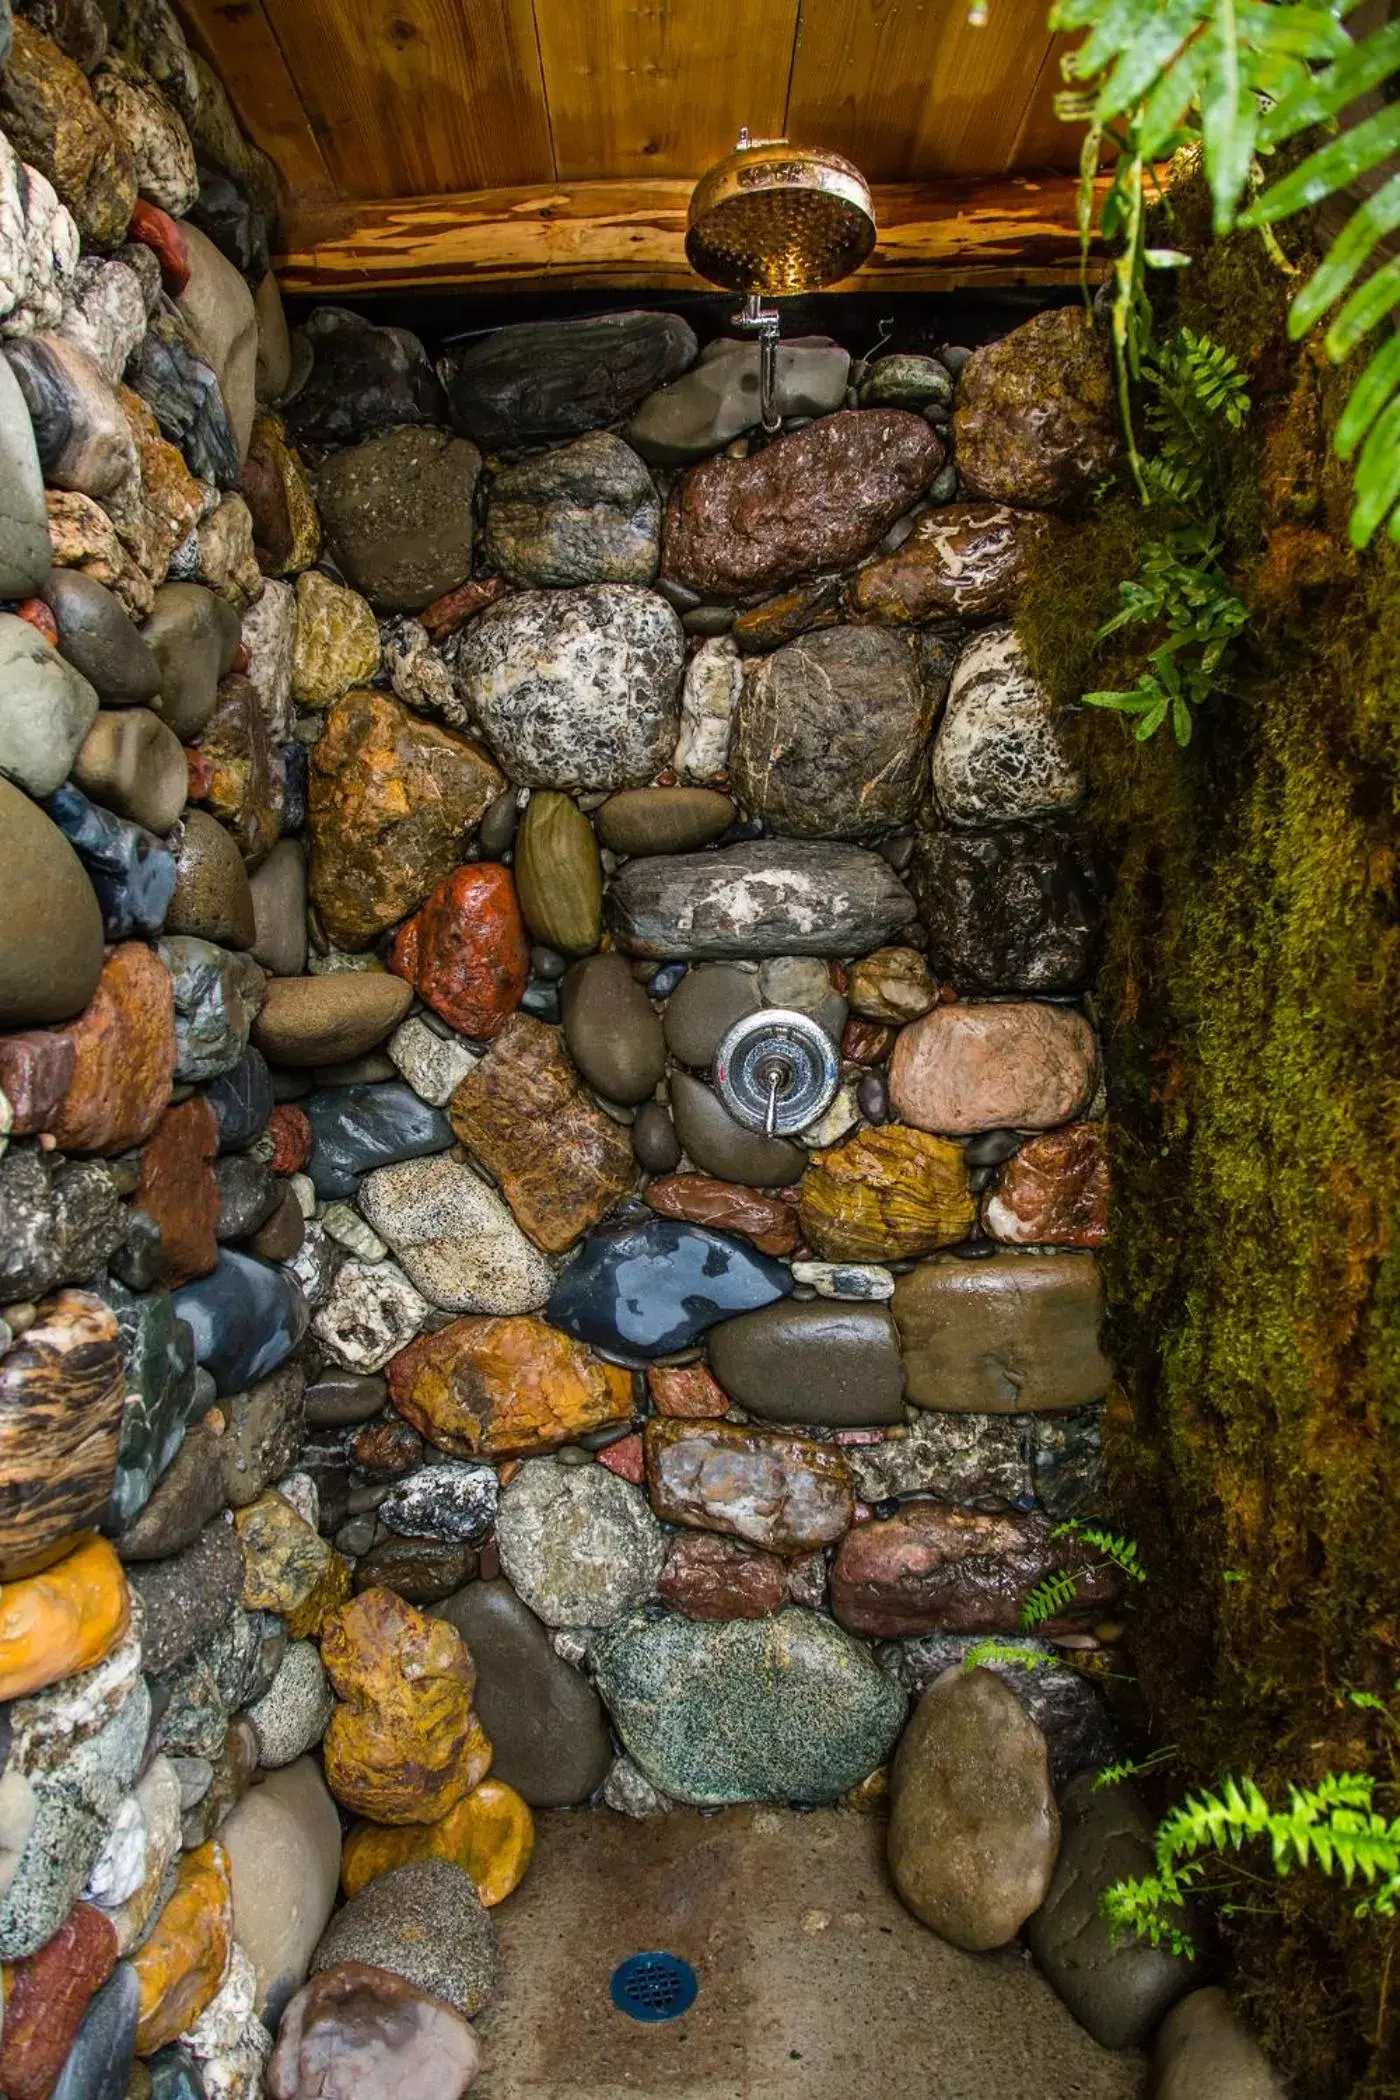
column 1131, row 1767
column 1114, row 1546
column 1047, row 1598
column 1238, row 79
column 1061, row 1587
column 1008, row 1653
column 1334, row 1826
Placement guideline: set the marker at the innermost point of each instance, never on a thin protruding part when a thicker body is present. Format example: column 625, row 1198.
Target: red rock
column 46, row 1996
column 165, row 237
column 386, row 1449
column 466, row 952
column 179, row 1191
column 994, row 1065
column 769, row 1223
column 38, row 616
column 962, row 561
column 1055, row 1191
column 866, row 1042
column 785, row 1493
column 124, row 1056
column 708, row 1577
column 201, row 772
column 936, row 1569
column 818, row 499
column 289, row 1127
column 36, row 1070
column 242, row 657
column 450, row 613
column 626, row 1458
column 686, row 1392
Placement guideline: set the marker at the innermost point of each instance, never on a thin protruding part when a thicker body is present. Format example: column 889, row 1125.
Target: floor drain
column 653, row 1986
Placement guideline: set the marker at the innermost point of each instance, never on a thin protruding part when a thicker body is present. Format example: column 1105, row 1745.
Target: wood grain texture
column 420, row 95
column 932, row 236
column 908, row 89
column 237, row 39
column 660, row 87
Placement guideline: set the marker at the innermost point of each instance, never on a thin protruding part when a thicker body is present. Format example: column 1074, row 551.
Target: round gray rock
column 24, row 524
column 577, row 689
column 578, row 1544
column 720, row 1146
column 588, row 513
column 612, row 1033
column 424, row 1921
column 398, row 514
column 99, row 640
column 51, row 957
column 46, row 709
column 704, row 1007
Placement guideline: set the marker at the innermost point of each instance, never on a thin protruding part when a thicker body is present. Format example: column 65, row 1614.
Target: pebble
column 62, row 1392
column 714, row 679
column 242, row 1101
column 424, row 1922
column 310, row 1021
column 246, row 1318
column 1017, row 1334
column 703, row 1008
column 931, row 1568
column 961, row 561
column 766, row 1221
column 558, row 875
column 283, row 1847
column 663, row 820
column 977, row 1459
column 458, row 1242
column 46, row 709
column 543, row 380
column 358, row 1128
column 611, row 1031
column 216, row 995
column 46, row 1998
column 422, row 1570
column 654, row 1139
column 83, row 438
column 24, row 534
column 578, row 688
column 999, row 756
column 433, row 1065
column 865, row 1282
column 385, row 2038
column 98, row 2065
column 133, row 875
column 646, row 1287
column 212, row 899
column 585, row 513
column 99, row 640
column 194, row 637
column 974, row 1830
column 454, row 1502
column 783, row 1493
column 577, row 1544
column 547, row 1725
column 823, row 1363
column 719, row 1145
column 397, row 513
column 1001, row 1065
column 783, row 1708
column 764, row 897
column 403, row 1745
column 369, row 1313
column 182, row 1964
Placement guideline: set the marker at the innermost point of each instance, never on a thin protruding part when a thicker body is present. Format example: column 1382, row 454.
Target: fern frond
column 1046, row 1599
column 984, row 1653
column 1114, row 1546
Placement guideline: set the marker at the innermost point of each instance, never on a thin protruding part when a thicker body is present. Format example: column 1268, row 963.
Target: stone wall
column 423, row 1402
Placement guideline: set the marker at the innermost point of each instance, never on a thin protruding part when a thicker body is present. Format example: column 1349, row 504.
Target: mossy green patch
column 1250, row 1000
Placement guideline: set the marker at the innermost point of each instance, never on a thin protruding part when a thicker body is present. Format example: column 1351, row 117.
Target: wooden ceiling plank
column 237, row 39
column 933, row 236
column 1045, row 141
column 410, row 96
column 643, row 88
column 909, row 89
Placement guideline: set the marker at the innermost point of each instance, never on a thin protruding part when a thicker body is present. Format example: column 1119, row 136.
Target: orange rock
column 766, row 1220
column 62, row 1621
column 499, row 1388
column 182, row 1965
column 885, row 1195
column 404, row 1745
column 687, row 1391
column 289, row 1127
column 124, row 1056
column 466, row 952
column 288, row 1567
column 179, row 1191
column 491, row 1834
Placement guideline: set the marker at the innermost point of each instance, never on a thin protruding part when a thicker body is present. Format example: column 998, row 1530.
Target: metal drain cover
column 777, row 1070
column 653, row 1986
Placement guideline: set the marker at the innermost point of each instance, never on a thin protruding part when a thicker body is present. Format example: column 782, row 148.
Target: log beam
column 933, row 236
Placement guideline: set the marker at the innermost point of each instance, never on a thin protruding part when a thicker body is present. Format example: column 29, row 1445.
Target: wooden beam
column 933, row 237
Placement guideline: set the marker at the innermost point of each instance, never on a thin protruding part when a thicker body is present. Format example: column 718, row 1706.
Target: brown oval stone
column 994, row 1065
column 830, row 1362
column 329, row 1019
column 1018, row 1334
column 498, row 1388
column 884, row 1195
column 663, row 820
column 1034, row 422
column 962, row 561
column 708, row 1577
column 1055, row 1191
column 932, row 1568
column 178, row 1189
column 770, row 1223
column 784, row 1493
column 465, row 952
column 820, row 498
column 558, row 874
column 124, row 1056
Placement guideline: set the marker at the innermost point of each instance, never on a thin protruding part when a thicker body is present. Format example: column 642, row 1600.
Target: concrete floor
column 815, row 1984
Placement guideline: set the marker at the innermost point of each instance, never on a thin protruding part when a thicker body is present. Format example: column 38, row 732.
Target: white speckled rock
column 105, row 313
column 371, row 1312
column 845, row 1279
column 419, row 675
column 714, row 679
column 155, row 135
column 998, row 756
column 456, row 1238
column 295, row 1710
column 763, row 897
column 38, row 247
column 159, row 1802
column 453, row 1501
column 269, row 635
column 46, row 709
column 578, row 1544
column 433, row 1065
column 576, row 689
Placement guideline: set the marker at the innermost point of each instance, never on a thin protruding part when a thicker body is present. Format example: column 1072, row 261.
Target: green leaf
column 1327, row 94
column 1368, row 397
column 1115, row 27
column 1229, row 113
column 1143, row 62
column 1368, row 304
column 1331, row 168
column 1378, row 216
column 1377, row 478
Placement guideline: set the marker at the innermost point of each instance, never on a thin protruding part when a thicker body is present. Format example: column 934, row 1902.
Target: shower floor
column 814, row 1983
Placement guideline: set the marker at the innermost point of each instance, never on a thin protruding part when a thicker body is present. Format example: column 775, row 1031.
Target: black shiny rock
column 1016, row 909
column 131, row 872
column 294, row 761
column 365, row 380
column 555, row 379
column 645, row 1287
column 182, row 391
column 360, row 1127
column 249, row 1192
column 242, row 1100
column 246, row 1318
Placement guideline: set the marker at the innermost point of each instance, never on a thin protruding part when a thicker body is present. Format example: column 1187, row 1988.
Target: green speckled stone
column 788, row 1708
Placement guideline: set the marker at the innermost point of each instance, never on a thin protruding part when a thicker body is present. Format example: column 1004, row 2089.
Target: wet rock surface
column 770, row 897
column 546, row 380
column 1016, row 1334
column 644, row 1287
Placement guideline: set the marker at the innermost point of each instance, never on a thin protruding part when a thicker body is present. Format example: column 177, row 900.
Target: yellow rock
column 885, row 1195
column 61, row 1621
column 337, row 640
column 404, row 1746
column 491, row 1834
column 288, row 1567
column 183, row 1963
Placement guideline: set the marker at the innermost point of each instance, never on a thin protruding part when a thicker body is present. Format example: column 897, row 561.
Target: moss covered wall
column 1251, row 1007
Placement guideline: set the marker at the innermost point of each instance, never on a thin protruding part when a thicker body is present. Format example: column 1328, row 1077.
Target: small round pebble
column 654, row 1139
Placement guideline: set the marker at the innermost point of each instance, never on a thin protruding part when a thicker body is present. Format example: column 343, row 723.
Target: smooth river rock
column 1035, row 422
column 398, row 514
column 51, row 960
column 1204, row 2047
column 424, row 1922
column 783, row 1708
column 1018, row 1334
column 1007, row 1065
column 720, row 1145
column 611, row 1032
column 766, row 897
column 25, row 554
column 783, row 1493
column 369, row 2032
column 46, row 709
column 587, row 513
column 832, row 1364
column 99, row 640
column 974, row 1830
column 543, row 380
column 576, row 689
column 643, row 1287
column 931, row 1568
column 358, row 1128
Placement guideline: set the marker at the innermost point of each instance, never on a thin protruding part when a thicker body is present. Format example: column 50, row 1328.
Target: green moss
column 1250, row 1000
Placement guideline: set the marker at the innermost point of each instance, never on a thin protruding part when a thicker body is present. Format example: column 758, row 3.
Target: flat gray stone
column 577, row 1544
column 546, row 380
column 766, row 897
column 720, row 1146
column 718, row 400
column 99, row 640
